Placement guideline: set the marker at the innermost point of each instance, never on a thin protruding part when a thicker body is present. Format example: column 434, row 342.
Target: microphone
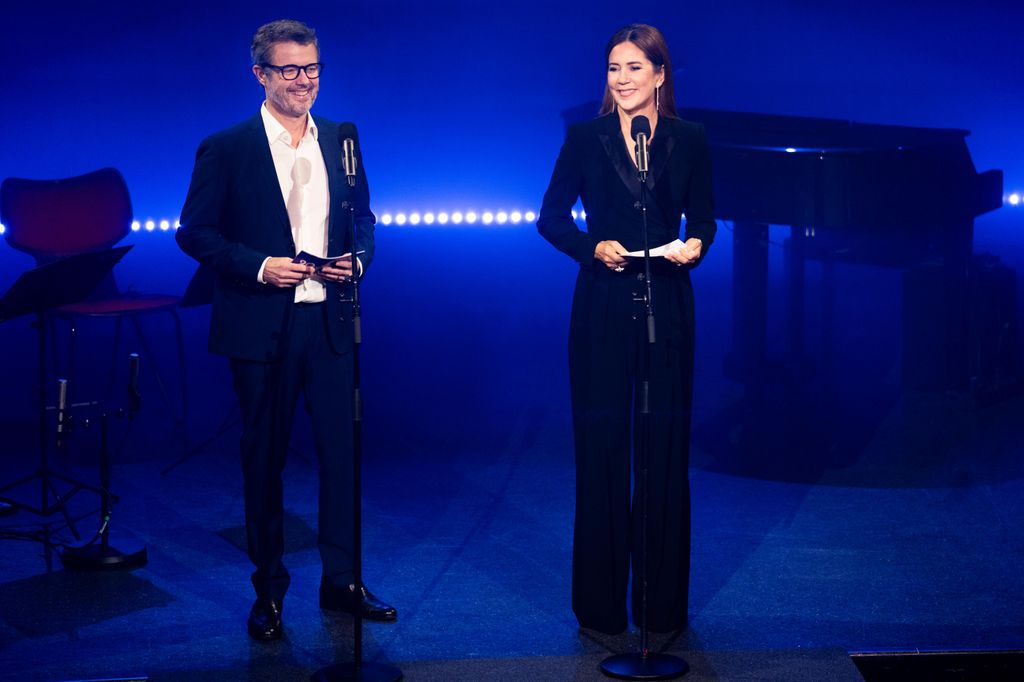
column 347, row 134
column 640, row 131
column 62, row 406
column 134, row 397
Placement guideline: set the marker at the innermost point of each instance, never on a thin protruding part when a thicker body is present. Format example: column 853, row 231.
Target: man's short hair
column 280, row 31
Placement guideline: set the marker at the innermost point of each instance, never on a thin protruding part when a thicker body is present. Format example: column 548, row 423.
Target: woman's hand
column 611, row 253
column 688, row 253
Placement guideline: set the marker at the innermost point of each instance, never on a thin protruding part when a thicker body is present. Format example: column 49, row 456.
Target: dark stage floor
column 474, row 550
column 827, row 521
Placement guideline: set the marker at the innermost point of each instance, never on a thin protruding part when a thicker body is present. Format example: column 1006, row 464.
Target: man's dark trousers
column 268, row 393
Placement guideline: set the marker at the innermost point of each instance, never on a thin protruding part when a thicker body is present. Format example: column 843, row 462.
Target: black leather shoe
column 265, row 620
column 346, row 599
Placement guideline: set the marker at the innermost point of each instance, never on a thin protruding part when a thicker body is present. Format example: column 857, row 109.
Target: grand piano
column 882, row 195
column 863, row 193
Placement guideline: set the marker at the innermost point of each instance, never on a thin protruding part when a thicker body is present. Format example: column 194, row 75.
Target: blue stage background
column 459, row 102
column 459, row 107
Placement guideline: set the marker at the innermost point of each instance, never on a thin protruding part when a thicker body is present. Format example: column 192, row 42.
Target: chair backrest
column 54, row 218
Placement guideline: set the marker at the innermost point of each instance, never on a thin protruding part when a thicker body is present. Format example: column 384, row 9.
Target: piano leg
column 936, row 318
column 773, row 429
column 794, row 260
column 745, row 363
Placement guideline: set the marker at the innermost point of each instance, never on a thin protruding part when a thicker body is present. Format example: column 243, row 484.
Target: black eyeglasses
column 290, row 72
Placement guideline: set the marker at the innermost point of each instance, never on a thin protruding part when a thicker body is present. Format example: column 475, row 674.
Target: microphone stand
column 103, row 556
column 645, row 664
column 357, row 670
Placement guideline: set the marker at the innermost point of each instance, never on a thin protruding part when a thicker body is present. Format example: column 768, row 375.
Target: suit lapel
column 615, row 148
column 663, row 145
column 268, row 185
column 327, row 138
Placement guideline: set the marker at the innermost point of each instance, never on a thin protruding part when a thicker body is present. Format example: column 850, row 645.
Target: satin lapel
column 268, row 185
column 615, row 148
column 662, row 150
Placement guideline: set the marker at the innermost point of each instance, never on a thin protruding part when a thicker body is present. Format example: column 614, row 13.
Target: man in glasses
column 262, row 192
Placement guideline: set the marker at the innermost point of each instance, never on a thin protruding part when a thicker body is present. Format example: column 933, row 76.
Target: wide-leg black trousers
column 606, row 338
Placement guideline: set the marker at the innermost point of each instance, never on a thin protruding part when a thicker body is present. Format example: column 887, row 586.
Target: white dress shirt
column 302, row 176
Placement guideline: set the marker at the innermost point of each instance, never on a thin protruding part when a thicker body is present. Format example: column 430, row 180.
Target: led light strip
column 152, row 225
column 469, row 217
column 402, row 218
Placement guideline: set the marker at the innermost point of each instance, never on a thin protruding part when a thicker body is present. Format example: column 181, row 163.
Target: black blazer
column 595, row 166
column 235, row 217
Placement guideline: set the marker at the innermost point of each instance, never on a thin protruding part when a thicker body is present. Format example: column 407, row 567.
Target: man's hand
column 610, row 252
column 338, row 271
column 283, row 273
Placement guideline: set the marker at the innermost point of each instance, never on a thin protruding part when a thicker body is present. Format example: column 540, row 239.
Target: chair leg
column 179, row 418
column 50, row 321
column 115, row 348
column 182, row 369
column 72, row 354
column 69, row 370
column 147, row 353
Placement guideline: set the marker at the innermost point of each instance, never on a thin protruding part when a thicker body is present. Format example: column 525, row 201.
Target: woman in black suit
column 597, row 165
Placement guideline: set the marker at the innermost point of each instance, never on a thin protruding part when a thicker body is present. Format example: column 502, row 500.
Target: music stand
column 62, row 282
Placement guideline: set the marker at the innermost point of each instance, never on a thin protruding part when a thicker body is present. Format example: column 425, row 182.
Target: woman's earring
column 657, row 99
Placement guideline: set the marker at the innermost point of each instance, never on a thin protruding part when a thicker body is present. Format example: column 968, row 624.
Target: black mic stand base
column 636, row 666
column 100, row 557
column 364, row 672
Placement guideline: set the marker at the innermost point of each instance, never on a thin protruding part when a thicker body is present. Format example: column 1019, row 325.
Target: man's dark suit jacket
column 235, row 217
column 594, row 165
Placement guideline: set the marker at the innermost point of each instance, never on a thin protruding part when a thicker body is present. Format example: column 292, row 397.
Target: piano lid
column 741, row 130
column 838, row 174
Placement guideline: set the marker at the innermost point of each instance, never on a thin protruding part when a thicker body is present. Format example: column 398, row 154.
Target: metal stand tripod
column 357, row 670
column 644, row 664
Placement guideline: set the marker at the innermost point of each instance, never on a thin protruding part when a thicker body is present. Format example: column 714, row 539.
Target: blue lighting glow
column 1015, row 199
column 3, row 229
